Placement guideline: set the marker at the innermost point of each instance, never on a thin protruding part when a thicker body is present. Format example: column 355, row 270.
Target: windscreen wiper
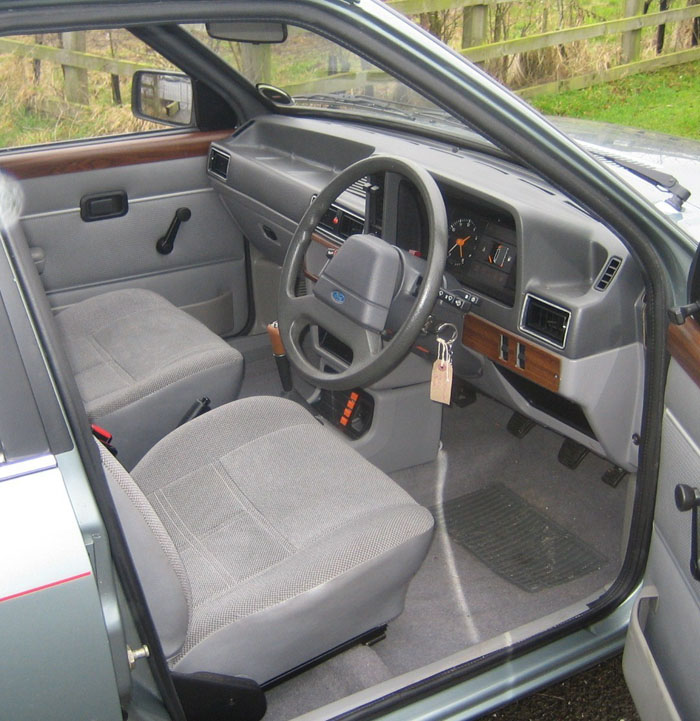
column 679, row 194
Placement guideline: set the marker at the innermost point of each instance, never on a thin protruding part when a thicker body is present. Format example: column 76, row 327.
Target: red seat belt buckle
column 101, row 434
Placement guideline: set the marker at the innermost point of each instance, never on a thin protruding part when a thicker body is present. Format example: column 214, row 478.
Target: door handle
column 101, row 206
column 688, row 499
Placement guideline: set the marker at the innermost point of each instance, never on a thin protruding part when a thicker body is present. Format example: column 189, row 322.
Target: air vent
column 359, row 187
column 609, row 273
column 546, row 321
column 218, row 163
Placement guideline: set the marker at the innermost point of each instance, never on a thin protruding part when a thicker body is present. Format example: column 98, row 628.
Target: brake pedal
column 571, row 453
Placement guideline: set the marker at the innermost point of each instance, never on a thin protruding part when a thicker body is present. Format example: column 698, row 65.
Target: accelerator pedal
column 613, row 476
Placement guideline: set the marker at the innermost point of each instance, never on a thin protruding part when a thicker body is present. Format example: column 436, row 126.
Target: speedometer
column 462, row 235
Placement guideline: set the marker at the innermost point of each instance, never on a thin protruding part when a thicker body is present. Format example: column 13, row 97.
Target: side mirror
column 162, row 97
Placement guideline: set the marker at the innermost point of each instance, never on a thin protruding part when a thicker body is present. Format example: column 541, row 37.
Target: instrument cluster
column 482, row 248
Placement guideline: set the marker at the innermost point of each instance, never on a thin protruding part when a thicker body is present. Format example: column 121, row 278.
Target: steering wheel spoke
column 365, row 344
column 303, row 311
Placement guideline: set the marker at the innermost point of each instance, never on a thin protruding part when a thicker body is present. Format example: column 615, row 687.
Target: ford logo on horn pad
column 338, row 296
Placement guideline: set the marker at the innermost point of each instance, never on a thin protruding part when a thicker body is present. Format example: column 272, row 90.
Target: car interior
column 342, row 535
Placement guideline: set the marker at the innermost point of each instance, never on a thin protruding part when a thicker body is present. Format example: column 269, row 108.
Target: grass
column 666, row 101
column 37, row 113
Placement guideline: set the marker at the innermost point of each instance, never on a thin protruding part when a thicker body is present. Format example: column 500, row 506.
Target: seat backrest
column 158, row 564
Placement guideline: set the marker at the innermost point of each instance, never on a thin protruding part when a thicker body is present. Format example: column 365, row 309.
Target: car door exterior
column 661, row 653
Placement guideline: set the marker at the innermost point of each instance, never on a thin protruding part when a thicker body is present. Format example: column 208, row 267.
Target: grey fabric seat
column 263, row 540
column 140, row 363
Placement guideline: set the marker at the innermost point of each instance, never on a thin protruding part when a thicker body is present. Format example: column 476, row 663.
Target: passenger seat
column 140, row 364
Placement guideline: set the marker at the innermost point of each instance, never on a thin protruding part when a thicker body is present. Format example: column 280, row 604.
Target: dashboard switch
column 460, row 302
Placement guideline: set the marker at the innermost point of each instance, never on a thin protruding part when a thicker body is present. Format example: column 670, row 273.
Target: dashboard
column 547, row 301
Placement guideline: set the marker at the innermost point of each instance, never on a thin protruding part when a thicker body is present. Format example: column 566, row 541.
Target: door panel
column 206, row 271
column 666, row 631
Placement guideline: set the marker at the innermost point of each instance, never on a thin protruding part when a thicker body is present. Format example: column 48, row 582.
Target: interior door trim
column 108, row 153
column 684, row 346
column 646, row 684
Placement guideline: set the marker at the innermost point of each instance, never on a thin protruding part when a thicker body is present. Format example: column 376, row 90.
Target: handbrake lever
column 280, row 356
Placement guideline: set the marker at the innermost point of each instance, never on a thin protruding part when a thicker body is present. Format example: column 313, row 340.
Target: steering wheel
column 365, row 281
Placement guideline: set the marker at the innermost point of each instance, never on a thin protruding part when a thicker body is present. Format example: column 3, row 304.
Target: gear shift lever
column 280, row 356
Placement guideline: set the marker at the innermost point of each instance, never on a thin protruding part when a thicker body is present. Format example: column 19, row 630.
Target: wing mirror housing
column 162, row 97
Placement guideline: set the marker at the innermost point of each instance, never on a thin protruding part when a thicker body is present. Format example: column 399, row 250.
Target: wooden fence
column 76, row 62
column 475, row 24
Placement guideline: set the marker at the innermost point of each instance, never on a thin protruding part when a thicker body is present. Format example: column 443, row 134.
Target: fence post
column 632, row 39
column 75, row 80
column 475, row 25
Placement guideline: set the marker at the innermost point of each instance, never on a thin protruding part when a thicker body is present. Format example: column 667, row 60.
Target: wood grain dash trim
column 684, row 346
column 539, row 365
column 98, row 155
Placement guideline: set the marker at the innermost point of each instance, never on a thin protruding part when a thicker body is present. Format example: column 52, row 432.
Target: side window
column 69, row 86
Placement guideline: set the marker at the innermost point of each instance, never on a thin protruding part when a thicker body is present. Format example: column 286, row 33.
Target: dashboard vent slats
column 359, row 187
column 609, row 273
column 218, row 163
column 546, row 321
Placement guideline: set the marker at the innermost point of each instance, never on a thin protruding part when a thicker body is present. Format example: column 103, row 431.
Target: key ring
column 445, row 326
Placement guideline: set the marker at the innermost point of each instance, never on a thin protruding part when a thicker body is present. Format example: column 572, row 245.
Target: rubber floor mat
column 515, row 540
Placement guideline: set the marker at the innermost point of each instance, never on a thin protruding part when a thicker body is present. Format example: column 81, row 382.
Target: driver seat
column 262, row 540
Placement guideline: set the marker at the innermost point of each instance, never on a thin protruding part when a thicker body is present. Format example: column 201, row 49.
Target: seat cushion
column 292, row 543
column 140, row 363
